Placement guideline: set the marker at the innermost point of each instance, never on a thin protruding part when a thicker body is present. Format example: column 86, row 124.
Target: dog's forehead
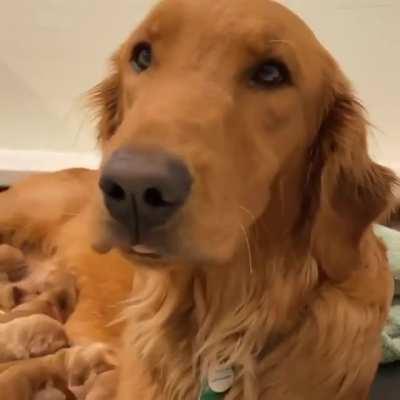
column 240, row 18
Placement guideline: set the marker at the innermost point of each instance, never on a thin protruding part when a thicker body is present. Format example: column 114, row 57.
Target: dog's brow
column 283, row 42
column 284, row 49
column 153, row 29
column 260, row 38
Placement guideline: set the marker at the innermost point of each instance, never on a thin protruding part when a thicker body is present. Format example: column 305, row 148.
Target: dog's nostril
column 114, row 191
column 154, row 198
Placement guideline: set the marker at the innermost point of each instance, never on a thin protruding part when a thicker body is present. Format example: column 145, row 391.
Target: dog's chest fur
column 180, row 326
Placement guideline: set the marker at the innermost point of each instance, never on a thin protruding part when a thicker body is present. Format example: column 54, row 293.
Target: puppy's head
column 219, row 115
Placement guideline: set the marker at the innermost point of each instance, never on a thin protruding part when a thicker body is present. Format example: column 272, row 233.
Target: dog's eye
column 142, row 56
column 270, row 74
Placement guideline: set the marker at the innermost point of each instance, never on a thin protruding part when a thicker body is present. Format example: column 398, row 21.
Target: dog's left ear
column 352, row 191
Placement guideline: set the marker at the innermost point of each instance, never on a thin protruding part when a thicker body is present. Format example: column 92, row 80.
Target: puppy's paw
column 85, row 364
column 12, row 263
column 60, row 289
column 32, row 336
column 13, row 268
column 9, row 297
column 104, row 386
column 50, row 393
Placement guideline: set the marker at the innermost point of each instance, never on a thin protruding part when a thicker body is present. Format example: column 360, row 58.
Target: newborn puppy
column 87, row 366
column 32, row 336
column 34, row 286
column 36, row 298
column 63, row 373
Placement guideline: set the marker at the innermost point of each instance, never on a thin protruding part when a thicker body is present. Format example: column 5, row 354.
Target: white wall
column 53, row 51
column 364, row 35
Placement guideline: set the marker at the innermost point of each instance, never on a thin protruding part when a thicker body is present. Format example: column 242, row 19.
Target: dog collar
column 219, row 382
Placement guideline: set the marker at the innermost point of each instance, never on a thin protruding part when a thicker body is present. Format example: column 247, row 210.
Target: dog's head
column 219, row 115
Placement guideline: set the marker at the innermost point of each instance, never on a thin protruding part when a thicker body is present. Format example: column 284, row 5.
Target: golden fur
column 273, row 267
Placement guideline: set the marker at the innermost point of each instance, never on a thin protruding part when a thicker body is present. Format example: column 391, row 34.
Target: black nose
column 143, row 190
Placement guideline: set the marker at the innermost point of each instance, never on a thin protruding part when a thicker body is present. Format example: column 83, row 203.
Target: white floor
column 16, row 164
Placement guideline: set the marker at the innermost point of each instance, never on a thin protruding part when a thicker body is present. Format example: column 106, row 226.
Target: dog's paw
column 86, row 364
column 32, row 336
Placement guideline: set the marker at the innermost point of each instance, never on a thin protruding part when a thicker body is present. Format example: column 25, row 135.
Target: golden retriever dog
column 237, row 194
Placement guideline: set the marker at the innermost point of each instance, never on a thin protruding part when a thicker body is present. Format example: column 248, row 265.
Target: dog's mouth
column 111, row 235
column 145, row 251
column 151, row 250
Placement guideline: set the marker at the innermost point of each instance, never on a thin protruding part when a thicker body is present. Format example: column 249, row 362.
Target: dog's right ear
column 105, row 99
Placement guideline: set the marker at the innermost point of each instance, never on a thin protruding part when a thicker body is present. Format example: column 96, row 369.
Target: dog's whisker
column 248, row 245
column 282, row 198
column 248, row 212
column 70, row 214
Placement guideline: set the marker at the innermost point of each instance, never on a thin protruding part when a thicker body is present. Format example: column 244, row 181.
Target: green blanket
column 391, row 333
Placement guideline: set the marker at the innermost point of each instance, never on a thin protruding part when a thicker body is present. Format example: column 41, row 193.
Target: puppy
column 59, row 374
column 31, row 336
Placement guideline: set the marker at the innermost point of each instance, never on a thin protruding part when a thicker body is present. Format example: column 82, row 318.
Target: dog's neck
column 185, row 320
